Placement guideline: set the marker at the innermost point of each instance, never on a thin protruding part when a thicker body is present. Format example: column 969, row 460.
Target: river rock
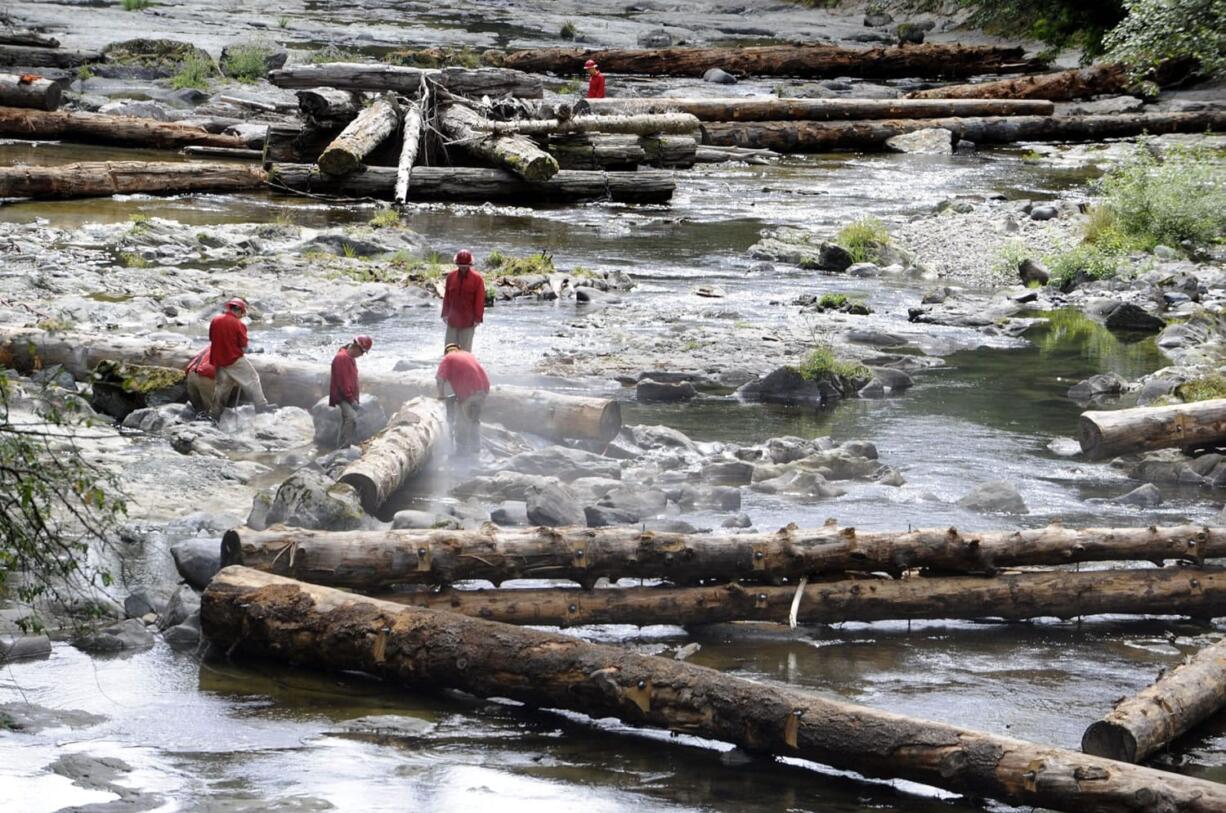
column 310, row 499
column 909, row 34
column 877, row 19
column 660, row 437
column 396, row 726
column 1146, row 496
column 371, row 420
column 864, row 271
column 805, row 483
column 183, row 602
column 891, row 379
column 510, row 513
column 126, row 636
column 719, row 76
column 1111, row 105
column 137, row 109
column 1044, row 212
column 995, row 496
column 655, row 39
column 23, row 647
column 564, row 463
column 184, row 636
column 554, row 505
column 144, row 600
column 929, row 141
column 832, row 257
column 1096, row 385
column 1130, row 317
column 737, row 521
column 654, row 392
column 639, row 502
column 721, row 498
column 413, row 520
column 120, row 388
column 197, row 560
column 1033, row 271
column 29, row 718
column 1155, row 389
column 877, row 338
column 604, row 516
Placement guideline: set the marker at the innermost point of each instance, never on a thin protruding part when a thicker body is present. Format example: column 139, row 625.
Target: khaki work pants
column 200, row 391
column 239, row 375
column 349, row 424
column 463, row 336
column 468, row 425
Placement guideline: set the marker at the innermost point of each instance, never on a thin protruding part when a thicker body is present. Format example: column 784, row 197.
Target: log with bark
column 374, row 76
column 596, row 151
column 368, row 560
column 670, row 150
column 98, row 128
column 297, row 144
column 480, row 184
column 1198, row 593
column 366, row 132
column 37, row 94
column 26, row 56
column 91, row 179
column 410, row 142
column 517, row 153
column 1108, row 433
column 258, row 614
column 807, row 61
column 1061, row 86
column 398, row 452
column 1177, row 701
column 301, row 383
column 770, row 108
column 32, row 38
column 643, row 124
column 330, row 105
column 803, row 136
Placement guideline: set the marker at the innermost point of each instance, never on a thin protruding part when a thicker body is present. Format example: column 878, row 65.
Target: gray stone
column 137, row 109
column 738, row 521
column 670, row 526
column 186, row 635
column 510, row 513
column 651, row 392
column 655, row 39
column 1096, row 385
column 1111, row 106
column 144, row 600
column 660, row 437
column 261, row 504
column 554, row 505
column 23, row 647
column 564, row 463
column 894, row 380
column 878, row 338
column 1146, row 496
column 182, row 604
column 310, row 499
column 929, row 141
column 415, row 520
column 197, row 560
column 728, row 473
column 1132, row 317
column 863, row 270
column 832, row 257
column 1155, row 389
column 965, row 147
column 873, row 389
column 396, row 726
column 719, row 76
column 603, row 516
column 1033, row 271
column 126, row 636
column 371, row 420
column 29, row 718
column 877, row 19
column 995, row 496
column 1044, row 212
column 909, row 33
column 723, row 498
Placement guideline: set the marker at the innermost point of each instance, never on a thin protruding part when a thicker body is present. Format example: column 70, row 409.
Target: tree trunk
column 25, row 56
column 393, row 456
column 40, row 94
column 294, row 144
column 374, row 124
column 802, row 136
column 1014, row 597
column 1176, row 702
column 808, row 61
column 481, row 184
column 32, row 38
column 1062, row 86
column 670, row 150
column 769, row 108
column 104, row 178
column 301, row 383
column 519, row 154
column 595, row 151
column 371, row 560
column 268, row 616
column 409, row 145
column 97, row 128
column 225, row 152
column 373, row 76
column 1125, row 431
column 644, row 125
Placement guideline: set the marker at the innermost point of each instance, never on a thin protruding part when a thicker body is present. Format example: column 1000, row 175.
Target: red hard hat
column 463, row 257
column 364, row 342
column 591, row 63
column 237, row 302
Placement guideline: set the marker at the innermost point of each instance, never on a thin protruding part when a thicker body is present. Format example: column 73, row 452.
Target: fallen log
column 1109, row 433
column 480, row 184
column 595, row 151
column 807, row 61
column 92, row 179
column 670, row 150
column 329, row 105
column 770, row 108
column 367, row 560
column 1014, row 597
column 97, row 128
column 718, row 155
column 225, row 152
column 301, row 383
column 374, row 76
column 372, row 126
column 294, row 144
column 642, row 124
column 32, row 38
column 26, row 56
column 393, row 456
column 1061, row 86
column 1173, row 704
column 268, row 616
column 37, row 94
column 517, row 153
column 803, row 136
column 409, row 145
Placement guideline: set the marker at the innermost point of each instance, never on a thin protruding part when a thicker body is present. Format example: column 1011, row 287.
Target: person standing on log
column 463, row 374
column 595, row 81
column 463, row 302
column 227, row 345
column 343, row 388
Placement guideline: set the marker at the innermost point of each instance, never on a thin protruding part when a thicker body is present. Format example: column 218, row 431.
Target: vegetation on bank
column 863, row 239
column 246, row 63
column 194, row 72
column 1202, row 389
column 823, row 363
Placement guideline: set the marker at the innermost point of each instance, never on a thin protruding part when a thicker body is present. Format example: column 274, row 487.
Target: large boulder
column 197, row 560
column 929, row 141
column 996, row 497
column 24, row 647
column 327, row 419
column 719, row 76
column 126, row 636
column 786, row 385
column 183, row 603
column 310, row 499
column 554, row 505
column 148, row 58
column 1134, row 318
column 649, row 391
column 1096, row 386
column 1144, row 496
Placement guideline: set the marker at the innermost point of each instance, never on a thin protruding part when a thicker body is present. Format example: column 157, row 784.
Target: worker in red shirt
column 201, row 381
column 595, row 81
column 465, row 377
column 463, row 302
column 227, row 343
column 343, row 389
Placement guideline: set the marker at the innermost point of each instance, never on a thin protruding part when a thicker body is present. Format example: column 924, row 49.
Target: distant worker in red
column 463, row 302
column 463, row 374
column 595, row 81
column 227, row 344
column 343, row 391
column 201, row 381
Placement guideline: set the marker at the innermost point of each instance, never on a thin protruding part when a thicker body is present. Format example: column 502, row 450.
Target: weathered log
column 104, row 178
column 372, row 559
column 35, row 57
column 1173, row 704
column 374, row 124
column 803, row 136
column 256, row 104
column 32, row 38
column 1014, row 597
column 409, row 145
column 397, row 453
column 225, row 152
column 302, row 383
column 718, row 155
column 1061, row 86
column 596, row 151
column 810, row 61
column 1109, row 433
column 329, row 104
column 97, row 128
column 670, row 150
column 480, row 184
column 263, row 615
column 770, row 108
column 375, row 76
column 641, row 124
column 517, row 153
column 38, row 94
column 294, row 144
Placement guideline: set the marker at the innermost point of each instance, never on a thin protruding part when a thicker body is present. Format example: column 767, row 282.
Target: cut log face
column 329, row 104
column 396, row 454
column 373, row 76
column 96, row 128
column 263, row 615
column 293, row 144
column 771, row 108
column 104, row 178
column 516, row 153
column 372, row 126
column 1123, row 431
column 39, row 94
column 1061, row 86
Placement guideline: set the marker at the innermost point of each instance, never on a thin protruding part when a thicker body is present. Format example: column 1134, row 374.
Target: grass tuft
column 246, row 63
column 194, row 72
column 385, row 219
column 505, row 265
column 1202, row 389
column 863, row 239
column 823, row 363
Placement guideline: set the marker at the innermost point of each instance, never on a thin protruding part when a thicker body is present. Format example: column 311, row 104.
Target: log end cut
column 231, row 548
column 1111, row 741
column 1090, row 436
column 610, row 421
column 367, row 488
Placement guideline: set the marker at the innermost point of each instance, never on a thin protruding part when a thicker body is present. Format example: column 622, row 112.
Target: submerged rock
column 1146, row 496
column 126, row 636
column 29, row 718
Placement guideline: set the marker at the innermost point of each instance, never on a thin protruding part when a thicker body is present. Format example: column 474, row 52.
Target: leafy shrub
column 136, row 5
column 133, row 260
column 568, row 30
column 1158, row 32
column 194, row 72
column 331, row 53
column 832, row 301
column 1202, row 389
column 508, row 266
column 822, row 362
column 385, row 219
column 863, row 238
column 246, row 63
column 1009, row 257
column 1096, row 261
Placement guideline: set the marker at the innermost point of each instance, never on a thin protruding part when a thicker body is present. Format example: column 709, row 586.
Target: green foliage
column 194, row 72
column 1085, row 260
column 1009, row 257
column 1202, row 389
column 246, row 63
column 1156, row 32
column 569, row 87
column 505, row 265
column 85, row 72
column 822, row 363
column 349, row 250
column 385, row 219
column 435, row 57
column 430, row 267
column 53, row 325
column 283, row 22
column 131, row 259
column 1032, row 156
column 332, row 53
column 140, row 224
column 832, row 301
column 136, row 5
column 863, row 238
column 1059, row 23
column 568, row 30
